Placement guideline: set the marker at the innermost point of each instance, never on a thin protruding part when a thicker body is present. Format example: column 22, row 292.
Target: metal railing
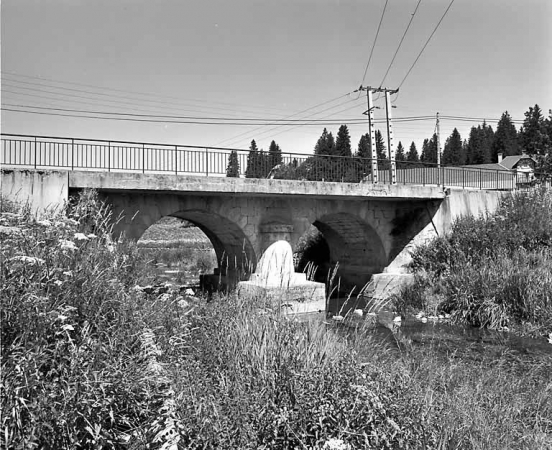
column 96, row 154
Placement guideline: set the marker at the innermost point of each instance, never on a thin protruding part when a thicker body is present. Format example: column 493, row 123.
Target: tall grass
column 491, row 271
column 91, row 361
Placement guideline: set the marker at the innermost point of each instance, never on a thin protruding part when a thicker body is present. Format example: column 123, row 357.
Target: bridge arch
column 355, row 244
column 233, row 249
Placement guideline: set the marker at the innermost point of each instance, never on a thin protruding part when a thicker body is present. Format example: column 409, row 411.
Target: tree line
column 334, row 159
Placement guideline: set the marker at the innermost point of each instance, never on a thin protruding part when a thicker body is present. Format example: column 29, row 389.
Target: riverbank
column 91, row 360
column 493, row 271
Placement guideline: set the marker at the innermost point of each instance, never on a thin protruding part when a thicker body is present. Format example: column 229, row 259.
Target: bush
column 494, row 270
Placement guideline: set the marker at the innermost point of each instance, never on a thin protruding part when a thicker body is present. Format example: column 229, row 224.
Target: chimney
column 499, row 158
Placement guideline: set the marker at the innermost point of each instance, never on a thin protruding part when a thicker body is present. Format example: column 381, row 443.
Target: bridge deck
column 110, row 181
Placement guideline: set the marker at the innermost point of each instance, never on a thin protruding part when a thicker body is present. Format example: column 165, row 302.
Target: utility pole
column 438, row 151
column 372, row 134
column 390, row 144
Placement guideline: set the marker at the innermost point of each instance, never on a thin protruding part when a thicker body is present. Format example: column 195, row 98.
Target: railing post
column 463, row 178
column 480, row 180
column 72, row 154
column 109, row 156
column 176, row 160
column 35, row 153
column 206, row 162
column 143, row 158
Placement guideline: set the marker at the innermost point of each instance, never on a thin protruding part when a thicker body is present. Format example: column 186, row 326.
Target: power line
column 374, row 44
column 191, row 120
column 425, row 45
column 400, row 43
column 235, row 138
column 111, row 98
column 143, row 94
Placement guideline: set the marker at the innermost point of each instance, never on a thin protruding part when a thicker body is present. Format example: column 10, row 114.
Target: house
column 522, row 165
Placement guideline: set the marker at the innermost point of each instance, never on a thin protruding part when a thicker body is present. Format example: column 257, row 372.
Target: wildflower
column 61, row 317
column 336, row 444
column 68, row 273
column 81, row 237
column 58, row 282
column 550, row 338
column 32, row 260
column 9, row 231
column 67, row 327
column 91, row 236
column 68, row 245
column 110, row 248
column 44, row 223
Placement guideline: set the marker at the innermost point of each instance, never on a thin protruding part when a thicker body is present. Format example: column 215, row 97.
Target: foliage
column 91, row 361
column 506, row 138
column 343, row 142
column 412, row 155
column 74, row 371
column 479, row 145
column 325, row 144
column 493, row 270
column 233, row 168
column 429, row 150
column 453, row 153
column 274, row 155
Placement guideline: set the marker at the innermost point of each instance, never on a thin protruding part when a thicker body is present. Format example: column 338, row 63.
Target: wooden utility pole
column 372, row 134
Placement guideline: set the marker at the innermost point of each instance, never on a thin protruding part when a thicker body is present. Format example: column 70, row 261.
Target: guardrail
column 96, row 154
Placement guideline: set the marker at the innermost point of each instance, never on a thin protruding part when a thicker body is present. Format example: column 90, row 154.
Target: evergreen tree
column 429, row 150
column 364, row 147
column 533, row 135
column 381, row 149
column 252, row 170
column 479, row 145
column 325, row 144
column 453, row 153
column 343, row 142
column 233, row 168
column 275, row 154
column 412, row 155
column 505, row 138
column 263, row 164
column 400, row 155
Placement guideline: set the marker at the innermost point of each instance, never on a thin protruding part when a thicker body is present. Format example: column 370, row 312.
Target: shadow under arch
column 357, row 247
column 235, row 255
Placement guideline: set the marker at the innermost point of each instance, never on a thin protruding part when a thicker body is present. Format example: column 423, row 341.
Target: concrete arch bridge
column 368, row 228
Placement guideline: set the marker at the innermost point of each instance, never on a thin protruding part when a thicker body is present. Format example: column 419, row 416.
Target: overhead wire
column 134, row 93
column 425, row 45
column 400, row 43
column 374, row 43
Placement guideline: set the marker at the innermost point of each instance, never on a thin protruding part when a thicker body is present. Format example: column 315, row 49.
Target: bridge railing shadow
column 41, row 152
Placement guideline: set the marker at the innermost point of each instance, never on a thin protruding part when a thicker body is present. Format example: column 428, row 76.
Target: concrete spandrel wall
column 458, row 203
column 41, row 190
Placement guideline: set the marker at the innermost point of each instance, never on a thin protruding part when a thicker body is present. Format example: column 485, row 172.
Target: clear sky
column 267, row 59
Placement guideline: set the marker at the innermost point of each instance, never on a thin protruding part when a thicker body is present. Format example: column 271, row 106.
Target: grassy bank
column 91, row 361
column 493, row 271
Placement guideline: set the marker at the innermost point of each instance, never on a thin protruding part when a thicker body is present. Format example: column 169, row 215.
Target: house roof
column 490, row 166
column 511, row 161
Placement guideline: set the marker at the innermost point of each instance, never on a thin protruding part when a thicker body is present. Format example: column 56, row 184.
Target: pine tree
column 429, row 150
column 233, row 168
column 453, row 153
column 364, row 147
column 412, row 155
column 275, row 155
column 325, row 144
column 252, row 170
column 533, row 135
column 381, row 149
column 343, row 142
column 479, row 145
column 399, row 154
column 505, row 138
